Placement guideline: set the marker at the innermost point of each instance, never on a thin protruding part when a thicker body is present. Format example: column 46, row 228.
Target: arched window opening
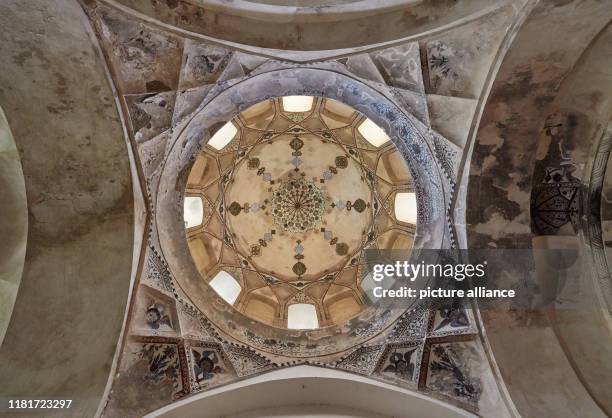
column 373, row 133
column 223, row 136
column 193, row 211
column 226, row 286
column 406, row 207
column 297, row 104
column 302, row 316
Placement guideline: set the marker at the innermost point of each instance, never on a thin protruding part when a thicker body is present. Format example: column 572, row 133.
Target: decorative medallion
column 359, row 205
column 234, row 208
column 342, row 248
column 298, row 206
column 296, row 143
column 341, row 161
column 299, row 268
column 253, row 163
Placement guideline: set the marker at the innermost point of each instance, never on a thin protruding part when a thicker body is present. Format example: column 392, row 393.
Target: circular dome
column 281, row 203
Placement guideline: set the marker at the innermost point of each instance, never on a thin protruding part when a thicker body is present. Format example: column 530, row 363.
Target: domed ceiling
column 282, row 202
column 144, row 98
column 210, row 304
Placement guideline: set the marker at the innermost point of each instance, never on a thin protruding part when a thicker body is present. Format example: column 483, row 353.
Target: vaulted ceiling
column 221, row 166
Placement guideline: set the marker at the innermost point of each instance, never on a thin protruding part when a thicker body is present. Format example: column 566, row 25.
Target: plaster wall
column 308, row 27
column 545, row 375
column 583, row 107
column 60, row 106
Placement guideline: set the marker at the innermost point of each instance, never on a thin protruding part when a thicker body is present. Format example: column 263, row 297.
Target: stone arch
column 13, row 223
column 304, row 26
column 306, row 387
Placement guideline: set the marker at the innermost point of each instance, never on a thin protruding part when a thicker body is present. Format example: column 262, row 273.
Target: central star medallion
column 298, row 205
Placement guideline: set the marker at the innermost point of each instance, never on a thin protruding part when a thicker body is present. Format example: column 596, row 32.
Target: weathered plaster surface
column 517, row 108
column 606, row 201
column 68, row 316
column 308, row 28
column 303, row 387
column 584, row 107
column 548, row 103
